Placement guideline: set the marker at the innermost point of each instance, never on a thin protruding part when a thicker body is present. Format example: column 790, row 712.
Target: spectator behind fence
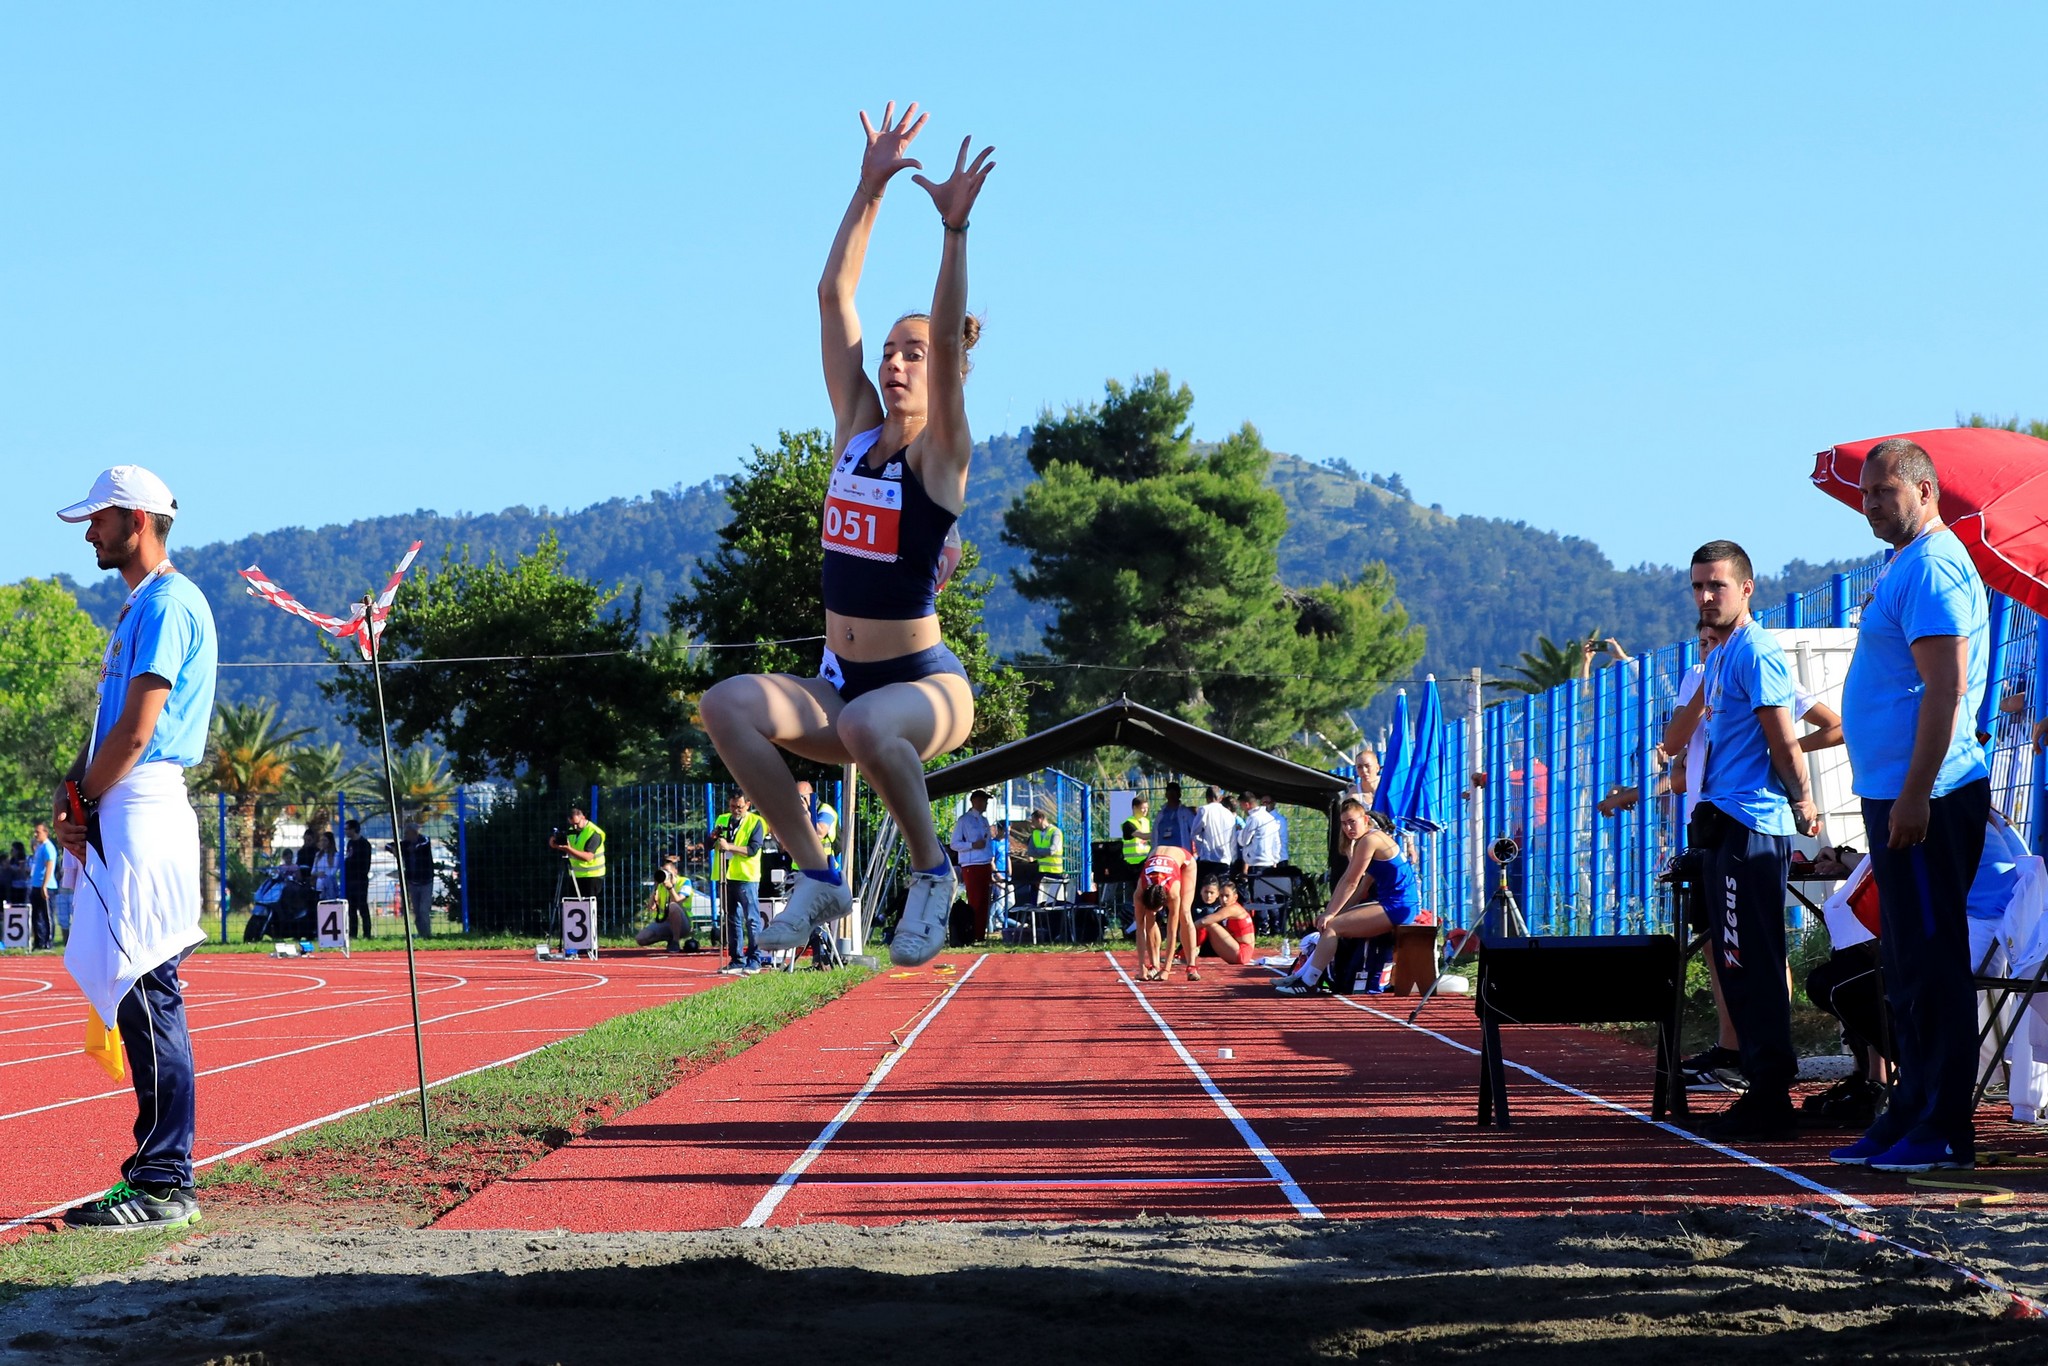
column 1914, row 685
column 973, row 846
column 1176, row 823
column 416, row 866
column 1280, row 821
column 67, row 887
column 1259, row 852
column 17, row 874
column 1375, row 893
column 42, row 884
column 1215, row 836
column 1752, row 798
column 739, row 834
column 327, row 868
column 355, row 881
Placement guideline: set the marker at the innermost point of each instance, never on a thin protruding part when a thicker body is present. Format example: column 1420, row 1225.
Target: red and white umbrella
column 1994, row 496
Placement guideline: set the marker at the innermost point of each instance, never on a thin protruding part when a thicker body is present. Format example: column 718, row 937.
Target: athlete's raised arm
column 947, row 443
column 855, row 405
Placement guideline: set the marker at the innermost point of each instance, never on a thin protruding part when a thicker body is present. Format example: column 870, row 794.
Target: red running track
column 281, row 1044
column 1040, row 1086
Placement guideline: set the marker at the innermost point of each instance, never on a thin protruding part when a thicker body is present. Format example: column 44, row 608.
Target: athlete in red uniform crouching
column 889, row 694
column 1166, row 884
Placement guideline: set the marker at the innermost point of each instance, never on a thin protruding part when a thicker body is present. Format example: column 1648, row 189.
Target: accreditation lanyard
column 164, row 569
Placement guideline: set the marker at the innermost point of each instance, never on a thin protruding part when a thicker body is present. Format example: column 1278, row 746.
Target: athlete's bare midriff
column 867, row 640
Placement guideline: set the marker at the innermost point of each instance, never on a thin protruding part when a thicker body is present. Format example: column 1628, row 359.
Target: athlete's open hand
column 887, row 146
column 955, row 198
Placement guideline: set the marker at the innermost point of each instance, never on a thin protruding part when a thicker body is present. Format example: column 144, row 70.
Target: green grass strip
column 46, row 1259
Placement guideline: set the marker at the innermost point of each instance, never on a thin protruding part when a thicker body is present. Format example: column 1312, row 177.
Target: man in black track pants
column 1922, row 657
column 1753, row 796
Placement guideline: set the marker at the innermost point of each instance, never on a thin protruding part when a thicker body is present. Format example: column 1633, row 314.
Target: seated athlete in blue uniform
column 889, row 694
column 1375, row 893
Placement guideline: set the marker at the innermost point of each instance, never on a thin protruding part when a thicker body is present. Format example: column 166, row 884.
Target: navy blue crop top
column 883, row 536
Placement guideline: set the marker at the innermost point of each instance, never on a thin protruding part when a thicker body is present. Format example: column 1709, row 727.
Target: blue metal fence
column 1549, row 760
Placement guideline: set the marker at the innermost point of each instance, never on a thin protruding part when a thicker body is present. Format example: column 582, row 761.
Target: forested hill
column 1483, row 587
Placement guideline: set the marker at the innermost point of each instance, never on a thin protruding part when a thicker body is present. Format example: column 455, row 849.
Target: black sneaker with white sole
column 1704, row 1070
column 135, row 1209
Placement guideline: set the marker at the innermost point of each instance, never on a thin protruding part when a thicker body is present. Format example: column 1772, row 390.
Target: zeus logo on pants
column 1731, row 930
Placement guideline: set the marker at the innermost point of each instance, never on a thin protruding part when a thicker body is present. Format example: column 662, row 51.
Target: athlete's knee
column 731, row 705
column 867, row 734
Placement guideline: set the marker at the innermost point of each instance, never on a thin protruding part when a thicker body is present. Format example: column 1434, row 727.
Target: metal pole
column 1475, row 805
column 412, row 976
column 849, row 844
column 462, row 852
column 221, row 864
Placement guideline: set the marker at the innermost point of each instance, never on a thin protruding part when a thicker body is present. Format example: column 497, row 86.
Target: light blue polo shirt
column 168, row 632
column 1930, row 588
column 1747, row 672
column 1998, row 871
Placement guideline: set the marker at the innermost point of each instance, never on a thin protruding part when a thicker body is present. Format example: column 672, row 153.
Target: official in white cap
column 136, row 910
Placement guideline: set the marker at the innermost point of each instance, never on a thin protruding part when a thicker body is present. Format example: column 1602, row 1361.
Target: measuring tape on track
column 1982, row 1196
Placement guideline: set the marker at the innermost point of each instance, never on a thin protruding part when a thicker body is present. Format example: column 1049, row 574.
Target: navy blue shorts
column 854, row 679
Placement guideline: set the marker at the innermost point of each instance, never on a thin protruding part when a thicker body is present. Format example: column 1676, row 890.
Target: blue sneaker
column 1912, row 1154
column 1859, row 1153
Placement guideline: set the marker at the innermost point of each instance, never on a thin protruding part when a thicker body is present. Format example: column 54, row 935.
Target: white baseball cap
column 124, row 486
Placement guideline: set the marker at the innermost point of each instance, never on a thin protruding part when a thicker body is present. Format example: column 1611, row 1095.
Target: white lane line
column 785, row 1182
column 281, row 1134
column 1058, row 1183
column 452, row 985
column 404, row 1026
column 38, row 989
column 1806, row 1183
column 1276, row 1169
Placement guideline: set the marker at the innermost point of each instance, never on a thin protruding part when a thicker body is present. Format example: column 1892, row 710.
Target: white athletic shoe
column 921, row 931
column 810, row 905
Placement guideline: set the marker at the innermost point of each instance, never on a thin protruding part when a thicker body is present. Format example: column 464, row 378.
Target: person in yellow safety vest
column 824, row 820
column 1045, row 856
column 1141, row 817
column 670, row 905
column 585, row 851
column 739, row 835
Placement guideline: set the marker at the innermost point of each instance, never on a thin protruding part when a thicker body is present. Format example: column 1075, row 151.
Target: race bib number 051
column 862, row 518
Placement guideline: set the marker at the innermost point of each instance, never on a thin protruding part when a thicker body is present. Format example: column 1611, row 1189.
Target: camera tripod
column 1502, row 917
column 564, row 873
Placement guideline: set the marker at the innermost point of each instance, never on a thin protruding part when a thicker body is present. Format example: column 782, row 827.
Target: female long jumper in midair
column 889, row 694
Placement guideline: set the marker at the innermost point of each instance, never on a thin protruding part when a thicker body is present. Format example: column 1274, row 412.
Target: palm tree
column 1551, row 665
column 423, row 782
column 249, row 757
column 320, row 773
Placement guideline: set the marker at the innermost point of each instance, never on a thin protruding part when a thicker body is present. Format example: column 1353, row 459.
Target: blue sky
column 1617, row 270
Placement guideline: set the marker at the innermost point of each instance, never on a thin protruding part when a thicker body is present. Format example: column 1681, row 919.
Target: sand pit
column 1727, row 1285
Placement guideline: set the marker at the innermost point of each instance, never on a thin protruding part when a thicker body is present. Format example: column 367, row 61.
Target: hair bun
column 970, row 331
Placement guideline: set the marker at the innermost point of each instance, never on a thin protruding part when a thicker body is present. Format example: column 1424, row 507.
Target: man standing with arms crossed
column 1752, row 798
column 1914, row 683
column 137, row 904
